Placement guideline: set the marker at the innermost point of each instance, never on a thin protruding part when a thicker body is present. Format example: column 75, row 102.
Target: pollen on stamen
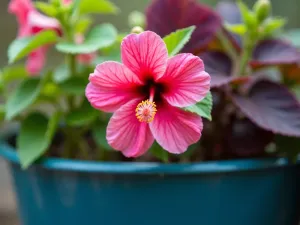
column 145, row 111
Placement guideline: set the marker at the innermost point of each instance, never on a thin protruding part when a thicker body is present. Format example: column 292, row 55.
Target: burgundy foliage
column 248, row 111
column 219, row 66
column 274, row 52
column 166, row 16
column 272, row 107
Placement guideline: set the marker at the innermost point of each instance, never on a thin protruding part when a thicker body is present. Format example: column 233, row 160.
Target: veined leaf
column 202, row 108
column 35, row 137
column 176, row 40
column 21, row 47
column 99, row 37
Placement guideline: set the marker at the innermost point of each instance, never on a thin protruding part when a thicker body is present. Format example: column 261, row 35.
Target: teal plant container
column 239, row 192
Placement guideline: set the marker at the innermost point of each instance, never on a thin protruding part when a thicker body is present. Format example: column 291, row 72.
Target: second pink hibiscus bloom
column 145, row 93
column 32, row 22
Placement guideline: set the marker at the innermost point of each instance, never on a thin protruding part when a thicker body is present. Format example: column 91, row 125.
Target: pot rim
column 224, row 166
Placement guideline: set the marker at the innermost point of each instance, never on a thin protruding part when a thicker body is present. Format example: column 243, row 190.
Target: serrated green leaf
column 46, row 8
column 82, row 116
column 21, row 47
column 239, row 29
column 158, row 152
column 74, row 85
column 83, row 25
column 35, row 136
column 202, row 108
column 99, row 135
column 99, row 37
column 23, row 96
column 97, row 6
column 176, row 40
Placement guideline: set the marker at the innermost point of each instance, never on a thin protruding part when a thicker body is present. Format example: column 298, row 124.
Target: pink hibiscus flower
column 145, row 93
column 31, row 22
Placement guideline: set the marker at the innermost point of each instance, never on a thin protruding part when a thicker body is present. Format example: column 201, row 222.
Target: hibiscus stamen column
column 146, row 110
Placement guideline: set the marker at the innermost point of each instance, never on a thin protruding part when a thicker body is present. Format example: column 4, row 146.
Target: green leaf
column 158, row 152
column 74, row 85
column 202, row 108
column 97, row 6
column 99, row 135
column 61, row 74
column 273, row 24
column 176, row 40
column 239, row 29
column 83, row 25
column 99, row 37
column 21, row 47
column 82, row 116
column 46, row 8
column 35, row 136
column 13, row 73
column 249, row 18
column 23, row 96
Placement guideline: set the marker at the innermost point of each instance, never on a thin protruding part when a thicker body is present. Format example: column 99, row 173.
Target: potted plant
column 195, row 120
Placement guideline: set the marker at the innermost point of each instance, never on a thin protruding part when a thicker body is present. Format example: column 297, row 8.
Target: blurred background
column 8, row 26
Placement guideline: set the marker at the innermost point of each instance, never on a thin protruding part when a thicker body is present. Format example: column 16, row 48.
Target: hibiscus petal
column 21, row 8
column 38, row 22
column 126, row 134
column 36, row 61
column 111, row 85
column 175, row 129
column 145, row 54
column 186, row 80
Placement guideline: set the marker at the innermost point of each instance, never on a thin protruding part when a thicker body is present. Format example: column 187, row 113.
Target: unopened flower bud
column 262, row 9
column 137, row 30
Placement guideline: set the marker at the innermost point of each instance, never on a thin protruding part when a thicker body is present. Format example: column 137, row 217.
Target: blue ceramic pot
column 242, row 192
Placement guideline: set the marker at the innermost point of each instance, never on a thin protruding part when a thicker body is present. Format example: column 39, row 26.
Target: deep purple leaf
column 272, row 107
column 219, row 66
column 274, row 52
column 230, row 13
column 166, row 16
column 243, row 138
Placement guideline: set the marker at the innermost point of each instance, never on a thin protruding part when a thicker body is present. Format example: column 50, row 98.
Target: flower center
column 146, row 110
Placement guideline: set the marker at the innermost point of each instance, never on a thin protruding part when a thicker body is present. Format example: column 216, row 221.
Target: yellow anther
column 145, row 111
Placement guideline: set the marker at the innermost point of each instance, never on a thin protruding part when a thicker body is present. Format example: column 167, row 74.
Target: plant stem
column 248, row 45
column 227, row 45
